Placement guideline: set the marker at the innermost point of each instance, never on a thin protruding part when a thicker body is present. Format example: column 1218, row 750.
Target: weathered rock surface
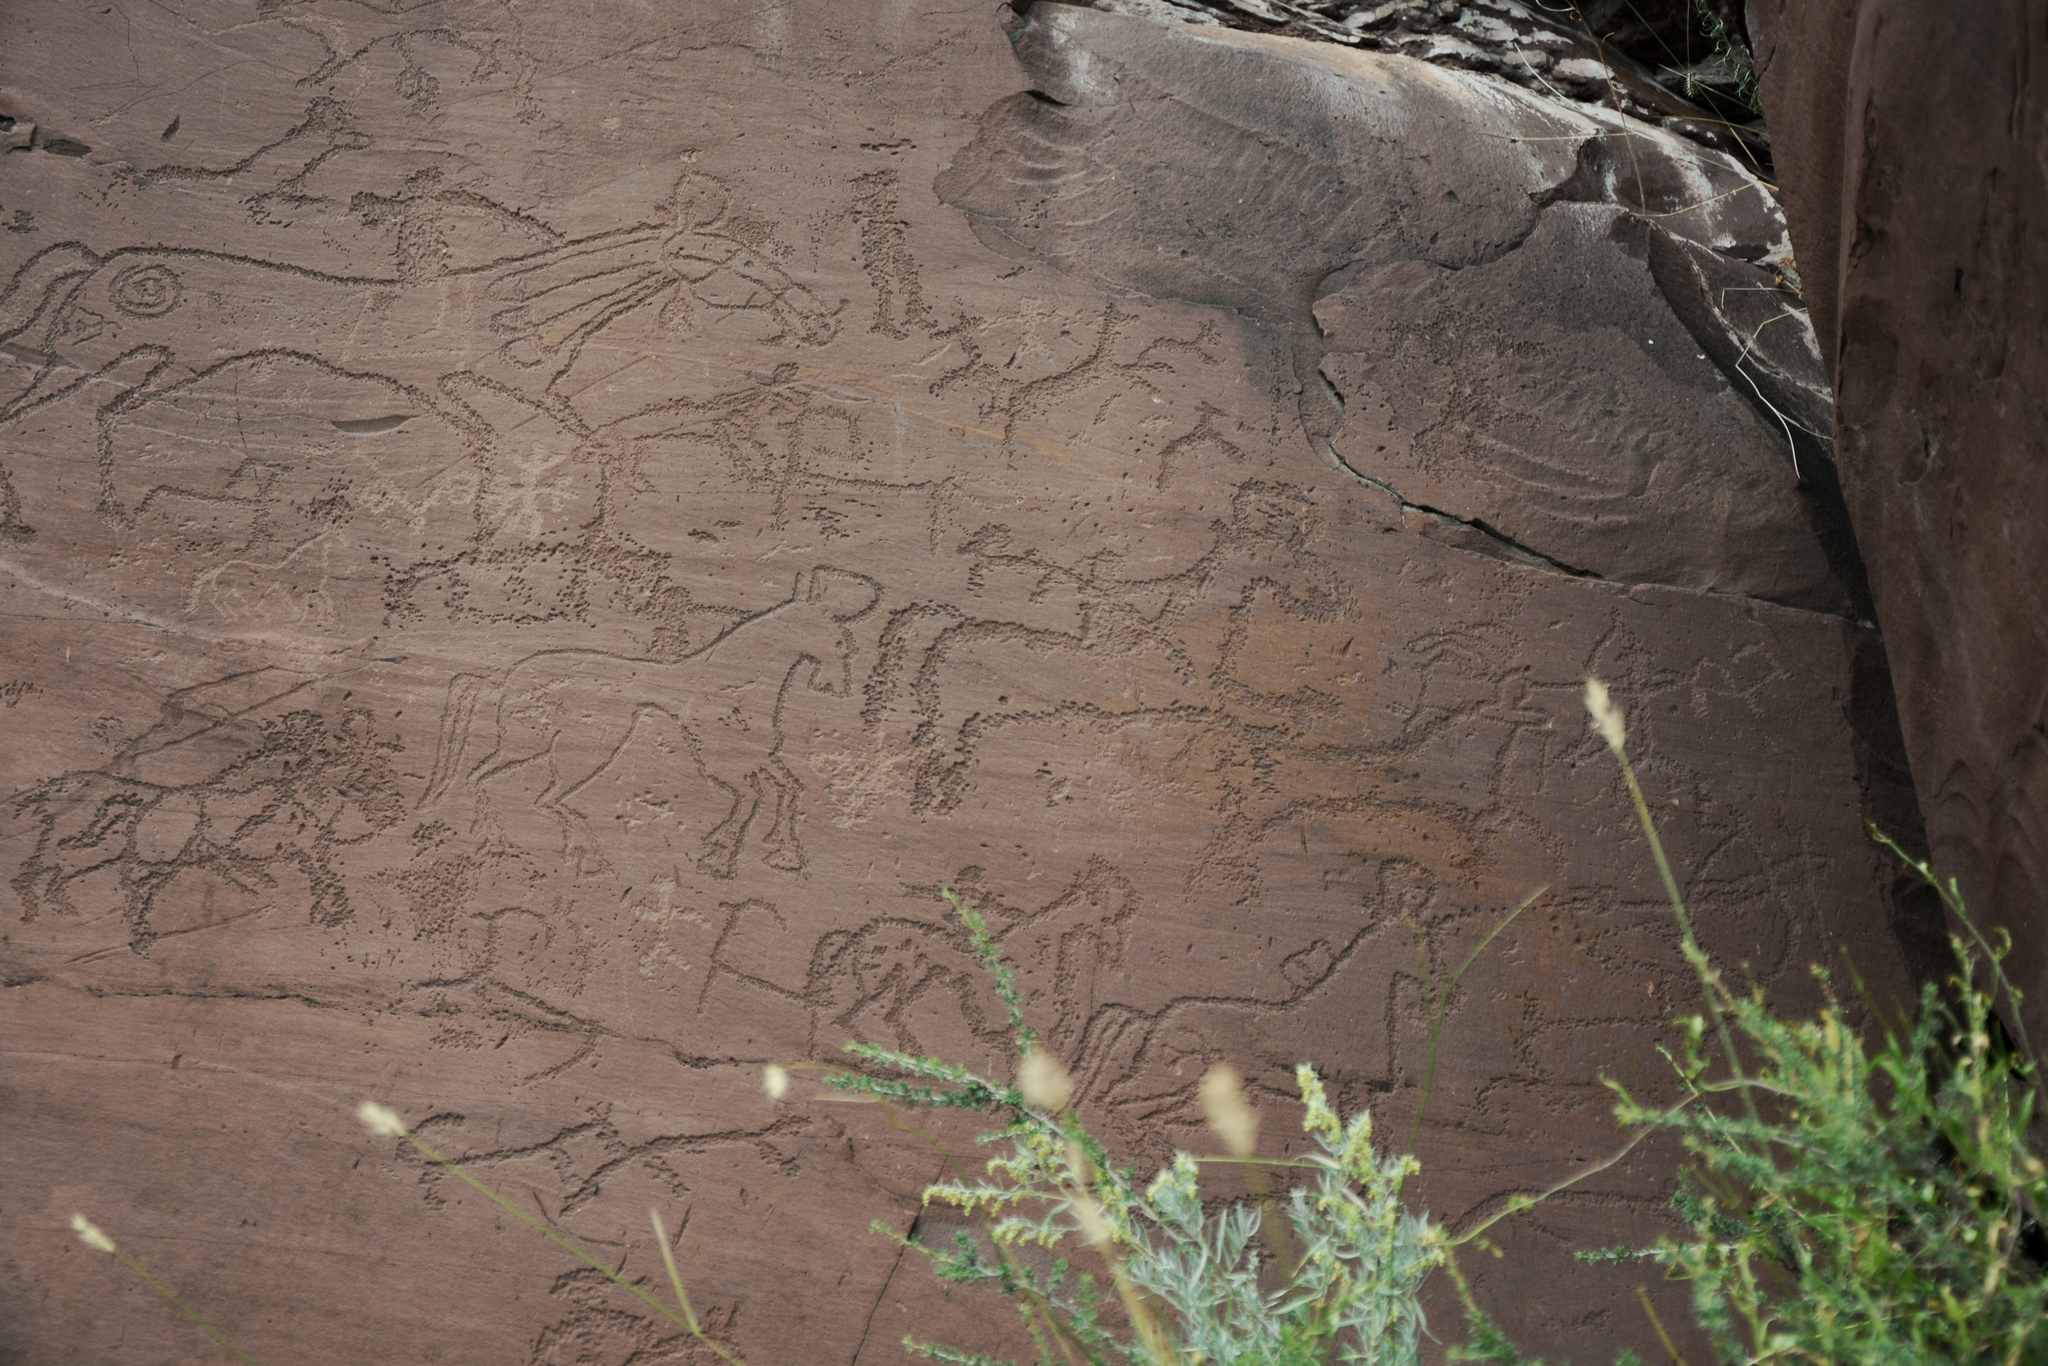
column 1669, row 64
column 1910, row 146
column 536, row 544
column 1486, row 305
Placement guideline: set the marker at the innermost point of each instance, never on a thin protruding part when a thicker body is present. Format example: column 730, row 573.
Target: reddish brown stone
column 1909, row 139
column 536, row 545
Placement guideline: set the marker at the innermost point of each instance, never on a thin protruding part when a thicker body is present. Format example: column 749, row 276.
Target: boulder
column 1908, row 140
column 535, row 550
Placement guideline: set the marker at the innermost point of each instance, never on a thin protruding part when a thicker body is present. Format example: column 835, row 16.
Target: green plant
column 1193, row 1285
column 1738, row 80
column 1864, row 1202
column 1882, row 1208
column 1727, row 77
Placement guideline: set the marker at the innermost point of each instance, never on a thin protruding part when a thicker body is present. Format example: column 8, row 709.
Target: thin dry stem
column 675, row 1280
column 688, row 1324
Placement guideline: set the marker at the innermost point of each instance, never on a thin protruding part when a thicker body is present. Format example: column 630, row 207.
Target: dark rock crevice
column 1491, row 542
column 1909, row 142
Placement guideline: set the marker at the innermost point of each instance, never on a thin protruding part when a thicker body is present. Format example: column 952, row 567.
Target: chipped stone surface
column 533, row 549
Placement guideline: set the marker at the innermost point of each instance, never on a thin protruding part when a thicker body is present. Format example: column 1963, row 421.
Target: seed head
column 381, row 1119
column 1229, row 1117
column 89, row 1233
column 1094, row 1223
column 1606, row 716
column 1045, row 1084
column 775, row 1081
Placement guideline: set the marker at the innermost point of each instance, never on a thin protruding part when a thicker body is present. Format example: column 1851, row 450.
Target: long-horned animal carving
column 561, row 717
column 155, row 316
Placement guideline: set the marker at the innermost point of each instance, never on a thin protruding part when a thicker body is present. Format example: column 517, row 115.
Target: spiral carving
column 146, row 291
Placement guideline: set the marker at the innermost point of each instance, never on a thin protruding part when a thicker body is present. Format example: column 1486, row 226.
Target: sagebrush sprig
column 1192, row 1282
column 968, row 1091
column 990, row 955
column 1883, row 1209
column 1872, row 1201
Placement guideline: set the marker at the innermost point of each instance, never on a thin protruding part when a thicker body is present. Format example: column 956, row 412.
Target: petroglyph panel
column 535, row 544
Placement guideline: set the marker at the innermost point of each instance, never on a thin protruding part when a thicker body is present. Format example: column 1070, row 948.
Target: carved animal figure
column 561, row 717
column 152, row 317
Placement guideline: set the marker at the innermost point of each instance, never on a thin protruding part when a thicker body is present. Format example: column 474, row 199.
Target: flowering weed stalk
column 384, row 1121
column 91, row 1235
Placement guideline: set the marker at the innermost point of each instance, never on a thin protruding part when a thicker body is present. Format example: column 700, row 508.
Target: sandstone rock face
column 536, row 543
column 1666, row 62
column 1483, row 309
column 1909, row 140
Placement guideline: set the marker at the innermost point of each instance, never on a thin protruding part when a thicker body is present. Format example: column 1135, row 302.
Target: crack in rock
column 1512, row 548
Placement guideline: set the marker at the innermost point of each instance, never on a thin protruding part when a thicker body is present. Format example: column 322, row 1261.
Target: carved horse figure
column 561, row 717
